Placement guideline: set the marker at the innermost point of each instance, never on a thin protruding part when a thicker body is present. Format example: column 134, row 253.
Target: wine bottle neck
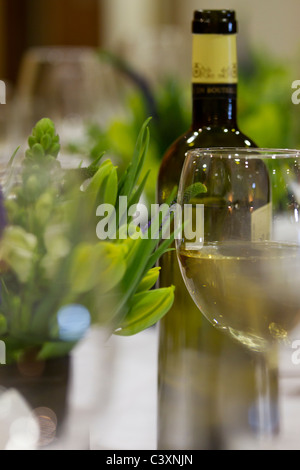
column 214, row 105
column 214, row 80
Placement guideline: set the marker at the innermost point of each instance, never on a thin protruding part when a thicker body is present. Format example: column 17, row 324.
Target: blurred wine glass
column 69, row 85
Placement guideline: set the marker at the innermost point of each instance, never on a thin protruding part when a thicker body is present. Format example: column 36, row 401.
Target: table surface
column 132, row 415
column 128, row 419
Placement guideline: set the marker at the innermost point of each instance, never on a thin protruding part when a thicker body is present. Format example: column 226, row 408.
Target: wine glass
column 238, row 246
column 69, row 85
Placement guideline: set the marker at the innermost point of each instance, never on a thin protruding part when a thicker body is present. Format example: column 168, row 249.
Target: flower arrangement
column 56, row 277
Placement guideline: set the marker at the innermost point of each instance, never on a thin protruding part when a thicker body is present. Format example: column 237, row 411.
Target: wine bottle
column 205, row 381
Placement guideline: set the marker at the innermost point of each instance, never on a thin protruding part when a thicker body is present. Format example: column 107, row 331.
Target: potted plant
column 57, row 277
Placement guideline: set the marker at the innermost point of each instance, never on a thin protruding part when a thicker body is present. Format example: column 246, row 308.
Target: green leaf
column 138, row 193
column 18, row 249
column 111, row 188
column 103, row 187
column 193, row 191
column 12, row 158
column 163, row 248
column 101, row 265
column 123, row 216
column 138, row 159
column 148, row 308
column 138, row 263
column 149, row 280
column 55, row 349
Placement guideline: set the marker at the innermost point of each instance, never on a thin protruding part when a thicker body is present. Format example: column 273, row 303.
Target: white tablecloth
column 129, row 421
column 130, row 418
column 116, row 391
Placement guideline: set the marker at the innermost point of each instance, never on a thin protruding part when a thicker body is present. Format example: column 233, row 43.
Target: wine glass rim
column 244, row 152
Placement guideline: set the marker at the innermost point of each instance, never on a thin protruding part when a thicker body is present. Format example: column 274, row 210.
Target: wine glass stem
column 267, row 394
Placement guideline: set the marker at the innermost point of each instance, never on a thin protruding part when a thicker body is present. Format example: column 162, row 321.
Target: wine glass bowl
column 239, row 247
column 250, row 292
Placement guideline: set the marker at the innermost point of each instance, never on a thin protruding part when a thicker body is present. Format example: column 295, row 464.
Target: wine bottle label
column 214, row 59
column 261, row 223
column 202, row 90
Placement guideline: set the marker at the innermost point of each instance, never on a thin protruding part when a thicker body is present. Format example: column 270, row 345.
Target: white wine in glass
column 251, row 290
column 242, row 266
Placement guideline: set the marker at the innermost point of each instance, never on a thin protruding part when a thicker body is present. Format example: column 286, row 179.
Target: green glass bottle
column 205, row 381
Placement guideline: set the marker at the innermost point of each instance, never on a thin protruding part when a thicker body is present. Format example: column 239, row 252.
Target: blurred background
column 99, row 68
